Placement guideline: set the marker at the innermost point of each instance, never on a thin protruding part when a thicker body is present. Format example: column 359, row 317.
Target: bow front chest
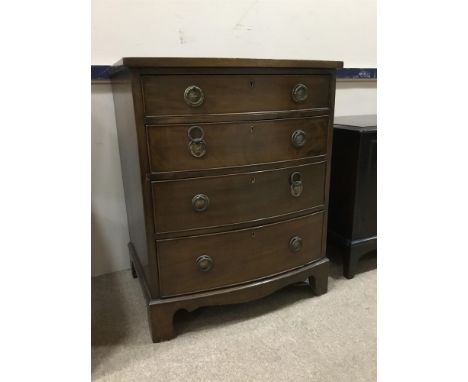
column 226, row 167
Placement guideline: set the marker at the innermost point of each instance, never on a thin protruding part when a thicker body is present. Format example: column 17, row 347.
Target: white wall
column 315, row 29
column 326, row 29
column 356, row 97
column 109, row 231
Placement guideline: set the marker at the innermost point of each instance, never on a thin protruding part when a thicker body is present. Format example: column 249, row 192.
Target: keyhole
column 252, row 180
column 253, row 234
column 252, row 83
column 251, row 129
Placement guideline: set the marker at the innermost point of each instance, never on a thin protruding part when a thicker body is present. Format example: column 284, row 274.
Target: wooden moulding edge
column 245, row 292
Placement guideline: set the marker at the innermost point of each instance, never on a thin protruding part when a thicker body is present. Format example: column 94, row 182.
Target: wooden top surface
column 225, row 62
column 356, row 122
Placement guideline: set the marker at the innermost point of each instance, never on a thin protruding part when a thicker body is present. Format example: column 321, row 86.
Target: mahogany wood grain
column 224, row 62
column 238, row 256
column 174, row 175
column 161, row 311
column 236, row 198
column 164, row 95
column 133, row 156
column 240, row 225
column 231, row 144
column 331, row 102
column 245, row 172
column 235, row 117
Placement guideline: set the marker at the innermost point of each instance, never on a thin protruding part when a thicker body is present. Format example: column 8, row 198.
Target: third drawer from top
column 213, row 201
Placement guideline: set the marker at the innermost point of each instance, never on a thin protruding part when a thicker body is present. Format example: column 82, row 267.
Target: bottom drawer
column 197, row 263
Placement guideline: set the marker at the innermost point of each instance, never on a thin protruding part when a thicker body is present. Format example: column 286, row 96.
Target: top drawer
column 218, row 94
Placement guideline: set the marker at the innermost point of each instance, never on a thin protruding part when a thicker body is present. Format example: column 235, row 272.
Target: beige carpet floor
column 287, row 336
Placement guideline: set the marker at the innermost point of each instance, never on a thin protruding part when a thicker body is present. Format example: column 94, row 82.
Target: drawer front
column 223, row 200
column 198, row 263
column 213, row 94
column 229, row 144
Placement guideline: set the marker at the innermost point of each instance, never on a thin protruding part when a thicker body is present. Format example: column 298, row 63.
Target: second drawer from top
column 201, row 146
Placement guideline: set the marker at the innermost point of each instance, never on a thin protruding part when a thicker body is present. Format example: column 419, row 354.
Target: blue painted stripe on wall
column 356, row 73
column 101, row 72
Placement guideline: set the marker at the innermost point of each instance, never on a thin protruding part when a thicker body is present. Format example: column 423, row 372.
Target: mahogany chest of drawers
column 226, row 167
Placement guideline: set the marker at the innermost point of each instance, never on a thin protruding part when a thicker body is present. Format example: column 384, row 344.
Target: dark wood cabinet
column 352, row 221
column 226, row 170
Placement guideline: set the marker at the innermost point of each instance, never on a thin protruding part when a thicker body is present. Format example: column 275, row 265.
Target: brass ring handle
column 200, row 202
column 296, row 186
column 197, row 148
column 194, row 96
column 298, row 138
column 197, row 144
column 295, row 244
column 300, row 92
column 204, row 263
column 195, row 133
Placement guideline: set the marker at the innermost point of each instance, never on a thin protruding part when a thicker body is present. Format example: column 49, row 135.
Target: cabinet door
column 365, row 213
